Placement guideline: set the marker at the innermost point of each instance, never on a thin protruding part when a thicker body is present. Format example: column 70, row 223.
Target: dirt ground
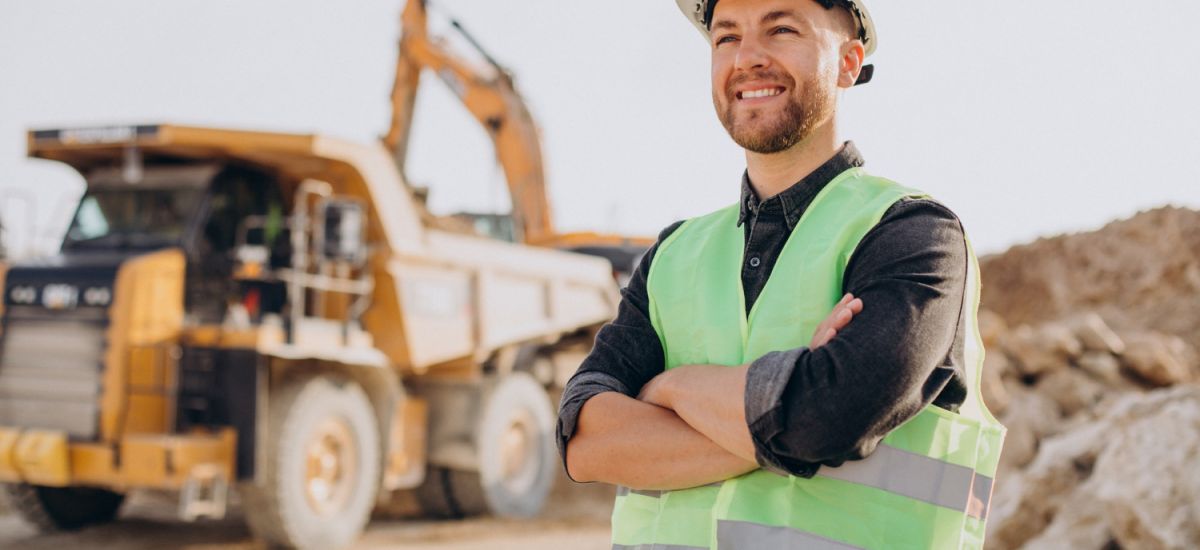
column 575, row 518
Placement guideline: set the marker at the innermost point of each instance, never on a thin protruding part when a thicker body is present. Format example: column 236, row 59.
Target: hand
column 842, row 313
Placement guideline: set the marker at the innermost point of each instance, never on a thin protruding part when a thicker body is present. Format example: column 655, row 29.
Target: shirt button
column 755, row 262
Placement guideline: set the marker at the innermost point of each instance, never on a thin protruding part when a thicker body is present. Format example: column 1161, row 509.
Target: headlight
column 60, row 296
column 22, row 295
column 97, row 296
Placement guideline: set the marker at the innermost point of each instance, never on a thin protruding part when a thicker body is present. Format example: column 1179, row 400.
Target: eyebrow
column 770, row 17
column 777, row 15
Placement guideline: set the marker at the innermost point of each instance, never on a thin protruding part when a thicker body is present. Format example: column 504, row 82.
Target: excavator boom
column 490, row 96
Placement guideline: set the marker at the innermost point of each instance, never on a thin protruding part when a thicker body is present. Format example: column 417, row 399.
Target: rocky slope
column 1092, row 365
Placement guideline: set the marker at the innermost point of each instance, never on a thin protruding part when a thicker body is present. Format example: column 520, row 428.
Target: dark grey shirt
column 806, row 408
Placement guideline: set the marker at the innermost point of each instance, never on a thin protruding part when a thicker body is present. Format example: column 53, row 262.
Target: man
column 800, row 369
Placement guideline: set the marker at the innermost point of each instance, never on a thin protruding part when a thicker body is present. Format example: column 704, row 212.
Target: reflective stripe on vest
column 929, row 481
column 657, row 547
column 918, row 477
column 743, row 534
column 906, row 474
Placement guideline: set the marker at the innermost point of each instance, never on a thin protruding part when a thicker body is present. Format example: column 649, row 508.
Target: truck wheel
column 322, row 466
column 450, row 494
column 517, row 460
column 52, row 509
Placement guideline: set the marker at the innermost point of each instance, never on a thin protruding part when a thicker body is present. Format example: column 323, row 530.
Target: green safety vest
column 929, row 481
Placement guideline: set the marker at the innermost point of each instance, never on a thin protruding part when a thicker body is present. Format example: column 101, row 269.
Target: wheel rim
column 330, row 467
column 518, row 445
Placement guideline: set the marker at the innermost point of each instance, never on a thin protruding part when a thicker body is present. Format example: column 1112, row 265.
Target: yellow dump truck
column 267, row 313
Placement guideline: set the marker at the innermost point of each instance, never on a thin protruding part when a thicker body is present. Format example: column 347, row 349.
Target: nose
column 751, row 55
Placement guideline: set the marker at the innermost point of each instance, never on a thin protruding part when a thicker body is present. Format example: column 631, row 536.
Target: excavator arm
column 492, row 99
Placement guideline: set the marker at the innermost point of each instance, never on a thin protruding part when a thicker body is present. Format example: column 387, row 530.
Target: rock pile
column 1042, row 379
column 1141, row 273
column 1127, row 479
column 1099, row 392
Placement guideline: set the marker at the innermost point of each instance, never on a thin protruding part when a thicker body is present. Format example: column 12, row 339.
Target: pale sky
column 1027, row 119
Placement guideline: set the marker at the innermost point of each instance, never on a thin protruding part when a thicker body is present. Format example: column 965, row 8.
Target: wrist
column 672, row 386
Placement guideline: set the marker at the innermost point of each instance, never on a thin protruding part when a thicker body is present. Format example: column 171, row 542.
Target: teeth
column 752, row 94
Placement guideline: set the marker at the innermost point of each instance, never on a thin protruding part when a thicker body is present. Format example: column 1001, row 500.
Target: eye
column 783, row 30
column 725, row 39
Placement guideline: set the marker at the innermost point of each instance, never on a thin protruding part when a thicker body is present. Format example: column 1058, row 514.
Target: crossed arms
column 686, row 428
column 624, row 421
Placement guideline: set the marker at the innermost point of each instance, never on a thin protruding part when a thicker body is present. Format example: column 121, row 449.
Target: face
column 776, row 69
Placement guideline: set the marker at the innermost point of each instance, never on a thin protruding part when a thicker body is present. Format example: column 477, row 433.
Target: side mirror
column 344, row 228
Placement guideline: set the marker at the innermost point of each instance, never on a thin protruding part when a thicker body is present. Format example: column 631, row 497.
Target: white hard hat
column 699, row 12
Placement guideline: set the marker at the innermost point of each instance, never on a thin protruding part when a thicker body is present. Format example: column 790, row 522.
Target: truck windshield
column 132, row 217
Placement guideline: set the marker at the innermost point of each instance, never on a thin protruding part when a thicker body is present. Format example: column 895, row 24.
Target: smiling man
column 800, row 369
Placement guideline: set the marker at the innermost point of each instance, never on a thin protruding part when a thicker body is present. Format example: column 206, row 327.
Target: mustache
column 767, row 76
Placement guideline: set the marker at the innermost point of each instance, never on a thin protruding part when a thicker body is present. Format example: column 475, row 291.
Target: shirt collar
column 795, row 199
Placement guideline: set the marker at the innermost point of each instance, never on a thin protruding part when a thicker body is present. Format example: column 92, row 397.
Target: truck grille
column 51, row 368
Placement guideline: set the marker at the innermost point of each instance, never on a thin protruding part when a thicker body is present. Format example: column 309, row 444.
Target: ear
column 851, row 63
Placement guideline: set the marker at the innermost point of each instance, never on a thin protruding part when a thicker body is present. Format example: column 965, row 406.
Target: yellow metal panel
column 198, row 452
column 217, row 336
column 247, row 338
column 147, row 414
column 147, row 310
column 144, row 462
column 145, row 368
column 165, row 462
column 8, row 465
column 406, row 445
column 42, row 458
column 150, row 403
column 93, row 464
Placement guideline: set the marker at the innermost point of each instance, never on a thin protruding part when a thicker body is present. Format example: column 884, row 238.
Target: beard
column 764, row 131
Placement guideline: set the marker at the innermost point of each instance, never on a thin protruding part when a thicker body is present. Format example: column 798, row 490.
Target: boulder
column 1125, row 480
column 1148, row 479
column 1103, row 366
column 992, row 328
column 1157, row 359
column 1024, row 504
column 1079, row 523
column 1071, row 389
column 1040, row 350
column 1030, row 417
column 1095, row 335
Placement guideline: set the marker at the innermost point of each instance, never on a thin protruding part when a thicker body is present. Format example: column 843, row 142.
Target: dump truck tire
column 322, row 468
column 51, row 509
column 469, row 497
column 436, row 496
column 517, row 460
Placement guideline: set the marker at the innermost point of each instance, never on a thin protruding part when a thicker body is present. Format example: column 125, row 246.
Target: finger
column 855, row 305
column 845, row 299
column 845, row 302
column 851, row 308
column 818, row 338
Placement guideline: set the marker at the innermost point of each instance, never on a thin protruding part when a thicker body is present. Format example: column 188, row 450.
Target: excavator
column 491, row 97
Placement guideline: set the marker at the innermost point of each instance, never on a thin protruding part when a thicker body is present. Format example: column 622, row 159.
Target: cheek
column 721, row 69
column 830, row 65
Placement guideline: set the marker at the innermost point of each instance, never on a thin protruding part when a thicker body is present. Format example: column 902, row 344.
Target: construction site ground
column 576, row 518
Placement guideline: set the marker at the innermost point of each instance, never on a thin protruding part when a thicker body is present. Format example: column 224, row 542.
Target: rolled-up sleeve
column 806, row 408
column 626, row 355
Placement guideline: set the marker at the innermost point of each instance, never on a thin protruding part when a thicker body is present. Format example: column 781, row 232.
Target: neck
column 771, row 174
